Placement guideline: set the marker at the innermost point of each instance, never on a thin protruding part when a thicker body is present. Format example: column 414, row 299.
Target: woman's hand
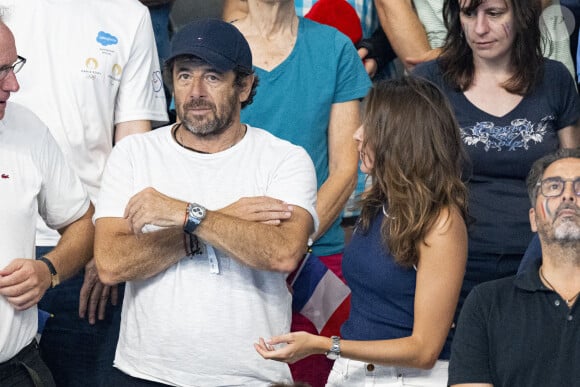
column 295, row 346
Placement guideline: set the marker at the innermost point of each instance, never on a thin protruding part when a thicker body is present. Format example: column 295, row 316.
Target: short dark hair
column 456, row 58
column 540, row 166
column 241, row 75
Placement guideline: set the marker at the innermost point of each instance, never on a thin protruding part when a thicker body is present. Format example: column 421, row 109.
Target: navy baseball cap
column 214, row 41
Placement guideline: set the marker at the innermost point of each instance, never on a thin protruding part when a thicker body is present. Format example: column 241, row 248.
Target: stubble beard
column 211, row 126
column 563, row 232
column 567, row 231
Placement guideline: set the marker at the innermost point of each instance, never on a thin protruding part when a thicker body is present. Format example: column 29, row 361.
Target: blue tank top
column 383, row 292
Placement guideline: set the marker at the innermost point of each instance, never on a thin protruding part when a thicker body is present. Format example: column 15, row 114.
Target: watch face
column 197, row 212
column 334, row 352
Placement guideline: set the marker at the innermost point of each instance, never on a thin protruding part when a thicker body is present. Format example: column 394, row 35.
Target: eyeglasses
column 16, row 67
column 554, row 186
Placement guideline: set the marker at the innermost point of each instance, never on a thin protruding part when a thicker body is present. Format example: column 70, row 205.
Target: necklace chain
column 569, row 301
column 181, row 143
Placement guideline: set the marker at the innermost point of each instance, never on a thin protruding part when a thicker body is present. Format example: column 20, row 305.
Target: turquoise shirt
column 293, row 101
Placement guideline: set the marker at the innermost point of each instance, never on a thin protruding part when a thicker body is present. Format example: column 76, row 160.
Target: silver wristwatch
column 334, row 352
column 195, row 214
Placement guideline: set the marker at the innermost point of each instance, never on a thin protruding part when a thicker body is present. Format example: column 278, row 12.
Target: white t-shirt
column 187, row 326
column 90, row 65
column 34, row 178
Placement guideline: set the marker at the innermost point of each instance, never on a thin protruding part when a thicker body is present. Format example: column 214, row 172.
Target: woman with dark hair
column 406, row 259
column 513, row 106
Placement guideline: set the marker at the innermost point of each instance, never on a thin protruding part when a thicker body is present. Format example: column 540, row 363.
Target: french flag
column 320, row 295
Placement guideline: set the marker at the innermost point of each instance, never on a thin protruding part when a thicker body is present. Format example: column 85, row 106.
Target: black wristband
column 51, row 267
column 193, row 244
column 54, row 279
column 185, row 244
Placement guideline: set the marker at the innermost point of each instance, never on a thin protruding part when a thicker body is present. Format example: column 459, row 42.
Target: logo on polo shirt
column 91, row 69
column 157, row 81
column 91, row 63
column 117, row 70
column 106, row 39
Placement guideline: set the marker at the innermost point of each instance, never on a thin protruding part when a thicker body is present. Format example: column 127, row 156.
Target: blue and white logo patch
column 106, row 39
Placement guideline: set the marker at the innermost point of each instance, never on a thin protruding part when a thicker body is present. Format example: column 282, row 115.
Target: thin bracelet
column 186, row 245
column 186, row 216
column 193, row 244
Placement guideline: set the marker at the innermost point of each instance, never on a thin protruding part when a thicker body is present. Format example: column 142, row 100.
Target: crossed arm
column 236, row 229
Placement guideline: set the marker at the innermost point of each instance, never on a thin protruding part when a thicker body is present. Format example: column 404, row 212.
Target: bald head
column 8, row 56
column 6, row 37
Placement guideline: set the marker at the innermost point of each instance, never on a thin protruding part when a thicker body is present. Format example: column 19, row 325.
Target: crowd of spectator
column 168, row 168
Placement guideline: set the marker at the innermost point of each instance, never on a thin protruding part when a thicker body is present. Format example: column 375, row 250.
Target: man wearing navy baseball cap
column 204, row 219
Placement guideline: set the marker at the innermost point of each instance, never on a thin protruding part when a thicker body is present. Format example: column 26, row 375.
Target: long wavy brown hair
column 456, row 59
column 413, row 137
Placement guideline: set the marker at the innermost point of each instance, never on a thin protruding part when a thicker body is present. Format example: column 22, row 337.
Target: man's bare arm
column 75, row 247
column 257, row 245
column 121, row 255
column 260, row 246
column 123, row 129
column 404, row 30
column 94, row 295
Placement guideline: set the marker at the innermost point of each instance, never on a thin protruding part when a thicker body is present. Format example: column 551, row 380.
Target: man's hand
column 370, row 64
column 259, row 209
column 23, row 282
column 152, row 207
column 94, row 295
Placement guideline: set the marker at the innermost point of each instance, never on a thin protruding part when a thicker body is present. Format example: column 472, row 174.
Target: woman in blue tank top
column 406, row 260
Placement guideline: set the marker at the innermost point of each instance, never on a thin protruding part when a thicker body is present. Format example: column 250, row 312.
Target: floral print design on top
column 516, row 135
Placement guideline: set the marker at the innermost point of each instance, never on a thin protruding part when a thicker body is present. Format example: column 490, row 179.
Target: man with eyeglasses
column 93, row 77
column 34, row 179
column 523, row 330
